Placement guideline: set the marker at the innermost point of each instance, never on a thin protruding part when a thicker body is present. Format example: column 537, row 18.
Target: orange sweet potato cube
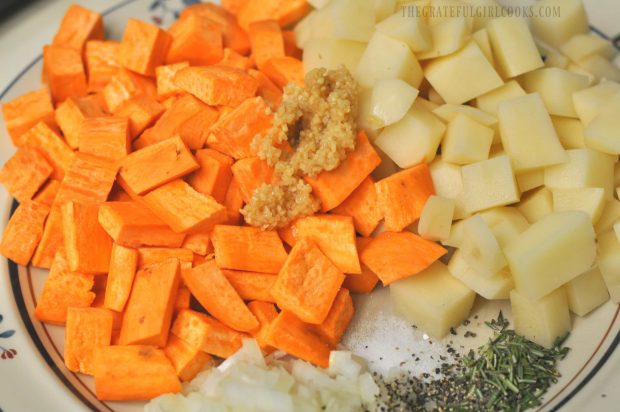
column 251, row 285
column 62, row 290
column 42, row 138
column 214, row 175
column 183, row 300
column 101, row 63
column 86, row 329
column 285, row 12
column 133, row 373
column 217, row 85
column 197, row 40
column 144, row 47
column 267, row 89
column 51, row 239
column 284, row 70
column 123, row 266
column 233, row 59
column 142, row 112
column 87, row 246
column 70, row 115
column 234, row 132
column 337, row 321
column 232, row 6
column 148, row 256
column 266, row 40
column 23, row 112
column 202, row 332
column 64, row 71
column 88, row 179
column 24, row 173
column 78, row 25
column 366, row 281
column 148, row 313
column 402, row 196
column 123, row 86
column 290, row 44
column 171, row 157
column 165, row 79
column 362, row 206
column 308, row 283
column 133, row 225
column 198, row 243
column 24, row 231
column 248, row 248
column 184, row 209
column 265, row 312
column 48, row 193
column 106, row 137
column 187, row 361
column 250, row 173
column 233, row 202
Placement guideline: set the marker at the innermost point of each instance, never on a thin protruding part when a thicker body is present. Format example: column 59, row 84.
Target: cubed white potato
column 412, row 30
column 332, row 53
column 528, row 135
column 364, row 113
column 587, row 199
column 583, row 45
column 481, row 37
column 556, row 88
column 589, row 102
column 555, row 59
column 476, row 75
column 497, row 150
column 570, row 132
column 530, row 180
column 386, row 168
column 586, row 292
column 608, row 260
column 488, row 184
column 551, row 252
column 348, row 19
column 414, row 139
column 505, row 223
column 542, row 320
column 466, row 141
column 456, row 235
column 494, row 287
column 447, row 112
column 384, row 8
column 481, row 20
column 387, row 58
column 603, row 132
column 434, row 97
column 600, row 67
column 433, row 300
column 609, row 217
column 489, row 102
column 584, row 168
column 560, row 20
column 436, row 219
column 425, row 103
column 536, row 204
column 391, row 99
column 447, row 37
column 448, row 183
column 480, row 249
column 575, row 68
column 304, row 29
column 513, row 46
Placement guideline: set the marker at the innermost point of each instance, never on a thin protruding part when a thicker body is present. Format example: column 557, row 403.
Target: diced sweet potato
column 105, row 137
column 251, row 285
column 101, row 63
column 62, row 290
column 284, row 70
column 131, row 373
column 251, row 173
column 248, row 248
column 86, row 329
column 24, row 173
column 138, row 174
column 142, row 112
column 214, row 175
column 285, row 12
column 51, row 146
column 337, row 321
column 217, row 85
column 195, row 39
column 64, row 72
column 123, row 86
column 308, row 283
column 266, row 41
column 233, row 59
column 24, row 231
column 148, row 256
column 47, row 195
column 233, row 202
column 51, row 239
column 362, row 206
column 144, row 47
column 187, row 360
column 183, row 300
column 165, row 79
column 70, row 115
column 198, row 243
column 123, row 266
column 267, row 89
column 366, row 281
column 265, row 313
column 23, row 112
column 290, row 44
column 78, row 25
column 149, row 309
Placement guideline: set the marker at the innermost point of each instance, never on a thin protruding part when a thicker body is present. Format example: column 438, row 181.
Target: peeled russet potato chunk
column 556, row 29
column 603, row 132
column 412, row 30
column 384, row 8
column 556, row 88
column 586, row 292
column 456, row 235
column 387, row 58
column 476, row 75
column 481, row 37
column 447, row 36
column 489, row 102
column 528, row 135
column 433, row 300
column 530, row 180
column 600, row 67
column 590, row 101
column 391, row 99
column 412, row 140
column 536, row 204
column 488, row 184
column 332, row 53
column 448, row 182
column 436, row 218
column 513, row 46
column 505, row 223
column 541, row 320
column 570, row 132
column 608, row 261
column 590, row 200
column 609, row 217
column 481, row 20
column 466, row 141
column 480, row 249
column 583, row 45
column 448, row 112
column 551, row 252
column 584, row 168
column 493, row 287
column 558, row 60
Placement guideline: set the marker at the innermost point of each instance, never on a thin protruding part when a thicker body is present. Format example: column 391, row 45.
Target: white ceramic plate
column 32, row 375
